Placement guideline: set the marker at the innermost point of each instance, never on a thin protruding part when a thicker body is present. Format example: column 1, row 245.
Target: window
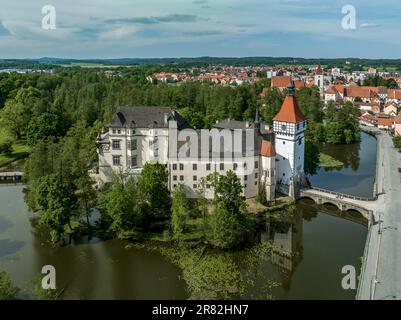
column 207, row 166
column 114, row 131
column 283, row 174
column 235, row 166
column 245, row 178
column 256, row 175
column 245, row 166
column 116, row 144
column 181, row 166
column 256, row 183
column 195, row 186
column 174, row 166
column 245, row 185
column 181, row 178
column 221, row 166
column 134, row 161
column 194, row 167
column 283, row 158
column 174, row 178
column 283, row 127
column 119, row 131
column 116, row 160
column 195, row 178
column 283, row 142
column 300, row 141
column 208, row 186
column 134, row 144
column 256, row 164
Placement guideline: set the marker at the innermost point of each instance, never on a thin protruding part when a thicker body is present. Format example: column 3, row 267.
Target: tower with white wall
column 289, row 126
column 319, row 79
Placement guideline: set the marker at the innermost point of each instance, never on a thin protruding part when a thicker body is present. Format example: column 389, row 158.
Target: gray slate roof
column 147, row 117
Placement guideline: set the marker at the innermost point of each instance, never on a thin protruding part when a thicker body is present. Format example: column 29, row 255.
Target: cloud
column 3, row 31
column 116, row 34
column 181, row 18
column 369, row 25
column 203, row 33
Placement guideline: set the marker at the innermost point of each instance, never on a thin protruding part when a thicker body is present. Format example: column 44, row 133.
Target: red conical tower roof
column 290, row 111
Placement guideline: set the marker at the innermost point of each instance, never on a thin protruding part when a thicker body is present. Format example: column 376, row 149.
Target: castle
column 262, row 157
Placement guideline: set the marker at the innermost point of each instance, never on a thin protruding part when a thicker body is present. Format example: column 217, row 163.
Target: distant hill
column 202, row 61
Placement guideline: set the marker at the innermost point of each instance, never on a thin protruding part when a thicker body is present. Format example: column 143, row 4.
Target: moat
column 310, row 250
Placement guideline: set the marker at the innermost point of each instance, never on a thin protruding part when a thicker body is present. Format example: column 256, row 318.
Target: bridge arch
column 331, row 203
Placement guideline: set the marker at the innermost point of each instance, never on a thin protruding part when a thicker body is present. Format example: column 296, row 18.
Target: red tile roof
column 290, row 111
column 331, row 90
column 281, row 81
column 267, row 149
column 361, row 92
column 397, row 119
column 394, row 94
column 385, row 122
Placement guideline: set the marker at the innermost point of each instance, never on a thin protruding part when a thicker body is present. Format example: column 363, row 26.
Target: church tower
column 289, row 126
column 319, row 79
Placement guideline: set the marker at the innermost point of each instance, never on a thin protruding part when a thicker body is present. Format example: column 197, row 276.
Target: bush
column 7, row 289
column 6, row 147
column 397, row 142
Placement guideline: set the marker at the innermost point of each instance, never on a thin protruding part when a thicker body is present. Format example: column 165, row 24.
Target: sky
column 87, row 29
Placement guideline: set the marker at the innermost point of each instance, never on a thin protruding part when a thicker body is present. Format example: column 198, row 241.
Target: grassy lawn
column 20, row 150
column 327, row 161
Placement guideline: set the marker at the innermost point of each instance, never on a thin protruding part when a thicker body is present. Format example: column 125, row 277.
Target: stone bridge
column 365, row 206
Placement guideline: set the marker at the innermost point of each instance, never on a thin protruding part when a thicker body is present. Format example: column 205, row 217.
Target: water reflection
column 302, row 251
column 4, row 224
column 357, row 175
column 308, row 253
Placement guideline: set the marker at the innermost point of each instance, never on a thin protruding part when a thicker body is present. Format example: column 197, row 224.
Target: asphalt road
column 381, row 278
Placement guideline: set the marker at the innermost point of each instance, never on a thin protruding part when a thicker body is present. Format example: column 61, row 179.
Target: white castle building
column 260, row 156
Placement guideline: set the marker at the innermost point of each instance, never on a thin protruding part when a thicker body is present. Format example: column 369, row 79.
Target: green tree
column 312, row 154
column 57, row 204
column 8, row 291
column 18, row 111
column 123, row 206
column 179, row 210
column 229, row 224
column 397, row 142
column 42, row 127
column 6, row 147
column 153, row 186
